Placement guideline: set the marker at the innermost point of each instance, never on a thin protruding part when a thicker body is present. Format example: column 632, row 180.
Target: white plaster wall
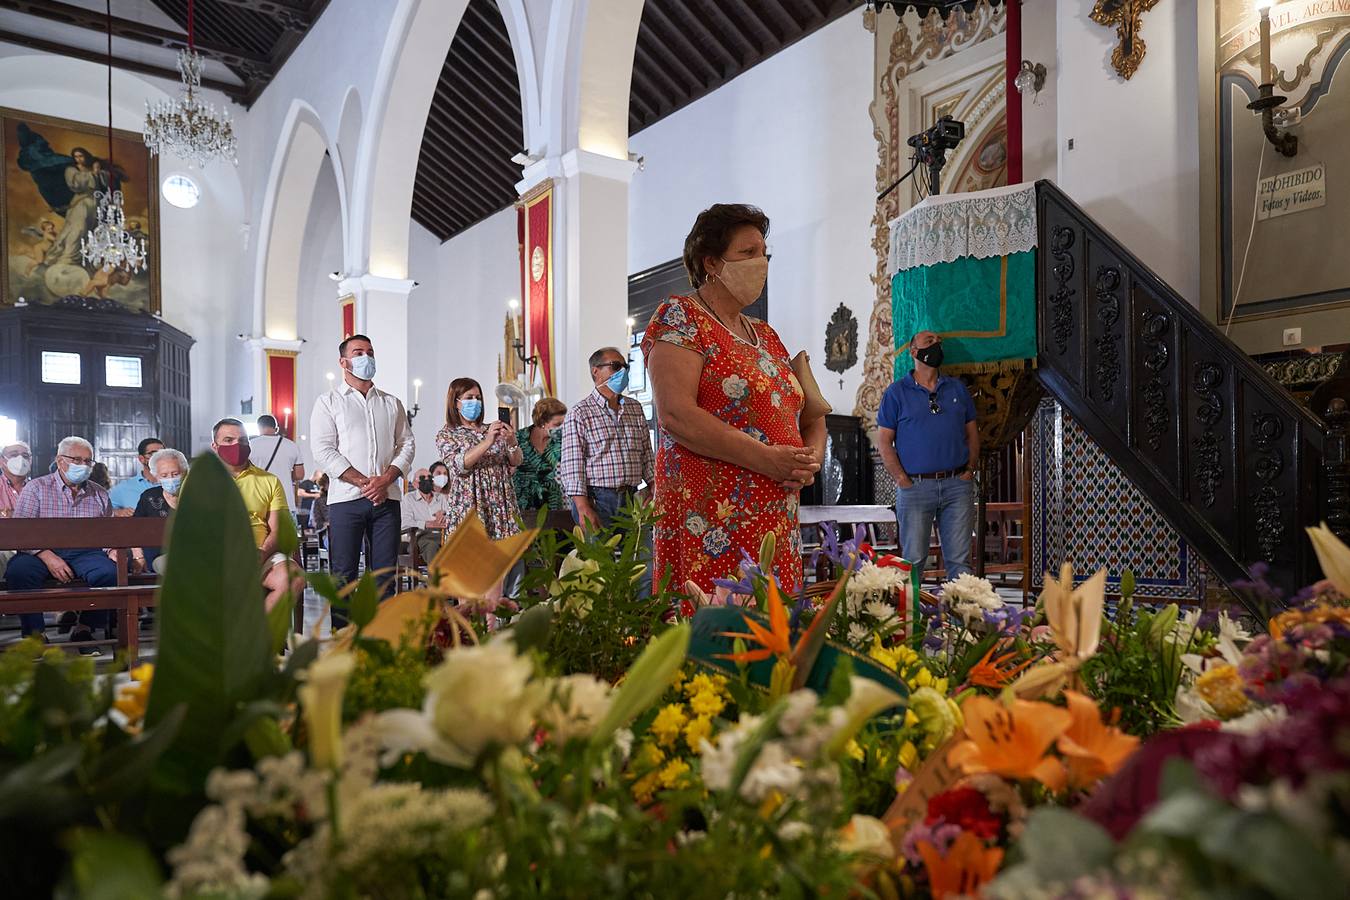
column 793, row 136
column 204, row 284
column 1040, row 158
column 320, row 317
column 1135, row 166
column 457, row 313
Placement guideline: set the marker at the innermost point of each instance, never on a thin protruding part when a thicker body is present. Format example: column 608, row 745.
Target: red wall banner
column 537, row 266
column 348, row 317
column 281, row 389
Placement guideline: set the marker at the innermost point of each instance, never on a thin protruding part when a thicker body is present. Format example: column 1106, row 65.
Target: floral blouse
column 536, row 478
column 486, row 486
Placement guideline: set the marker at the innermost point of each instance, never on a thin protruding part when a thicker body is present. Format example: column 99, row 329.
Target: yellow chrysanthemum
column 706, row 704
column 648, row 756
column 1222, row 688
column 854, row 751
column 909, row 755
column 897, row 658
column 668, row 724
column 645, row 787
column 132, row 698
column 674, row 774
column 697, row 731
column 700, row 684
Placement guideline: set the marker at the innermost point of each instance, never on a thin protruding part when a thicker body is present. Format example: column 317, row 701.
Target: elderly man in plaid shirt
column 606, row 447
column 66, row 493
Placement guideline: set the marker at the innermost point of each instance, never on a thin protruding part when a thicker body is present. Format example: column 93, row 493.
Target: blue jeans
column 359, row 523
column 606, row 502
column 28, row 573
column 951, row 501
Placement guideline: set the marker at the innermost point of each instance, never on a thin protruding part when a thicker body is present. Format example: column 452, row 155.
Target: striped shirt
column 49, row 497
column 604, row 448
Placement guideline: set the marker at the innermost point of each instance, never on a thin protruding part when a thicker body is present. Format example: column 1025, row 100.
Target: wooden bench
column 120, row 535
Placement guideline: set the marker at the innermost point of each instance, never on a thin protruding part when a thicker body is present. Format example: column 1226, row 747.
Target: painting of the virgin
column 53, row 172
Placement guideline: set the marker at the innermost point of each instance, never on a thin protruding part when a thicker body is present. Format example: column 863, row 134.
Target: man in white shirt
column 361, row 437
column 426, row 507
column 278, row 454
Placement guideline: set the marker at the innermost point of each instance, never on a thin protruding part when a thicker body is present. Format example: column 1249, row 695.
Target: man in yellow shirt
column 265, row 499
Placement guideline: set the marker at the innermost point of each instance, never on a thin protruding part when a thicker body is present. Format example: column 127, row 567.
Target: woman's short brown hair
column 458, row 388
column 711, row 234
column 547, row 408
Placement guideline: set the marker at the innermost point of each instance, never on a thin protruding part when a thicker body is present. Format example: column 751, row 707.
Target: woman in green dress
column 536, row 479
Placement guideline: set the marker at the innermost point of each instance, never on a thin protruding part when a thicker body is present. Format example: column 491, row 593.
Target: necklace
column 740, row 318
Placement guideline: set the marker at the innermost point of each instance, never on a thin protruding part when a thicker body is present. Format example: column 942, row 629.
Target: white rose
column 579, row 703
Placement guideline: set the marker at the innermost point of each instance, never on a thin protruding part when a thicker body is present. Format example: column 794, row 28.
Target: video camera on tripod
column 931, row 146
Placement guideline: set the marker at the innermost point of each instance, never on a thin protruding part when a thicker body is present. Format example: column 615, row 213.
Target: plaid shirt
column 49, row 497
column 603, row 448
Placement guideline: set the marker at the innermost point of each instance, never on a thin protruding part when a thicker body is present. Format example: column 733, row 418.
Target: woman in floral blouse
column 731, row 459
column 536, row 480
column 481, row 459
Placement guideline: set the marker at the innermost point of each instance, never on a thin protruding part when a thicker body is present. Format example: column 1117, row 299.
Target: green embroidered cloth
column 984, row 309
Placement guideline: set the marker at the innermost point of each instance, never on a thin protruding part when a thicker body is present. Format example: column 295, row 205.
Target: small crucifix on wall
column 1126, row 16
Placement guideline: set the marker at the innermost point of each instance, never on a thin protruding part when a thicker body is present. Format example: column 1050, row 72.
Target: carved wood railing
column 1227, row 455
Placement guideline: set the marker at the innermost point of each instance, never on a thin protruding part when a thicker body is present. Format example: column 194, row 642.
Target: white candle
column 1267, row 70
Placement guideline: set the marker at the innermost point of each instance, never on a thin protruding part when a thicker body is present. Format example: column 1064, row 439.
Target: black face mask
column 930, row 356
column 425, row 484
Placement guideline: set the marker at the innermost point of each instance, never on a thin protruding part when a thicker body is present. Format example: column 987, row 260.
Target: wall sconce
column 1031, row 78
column 417, row 396
column 1267, row 101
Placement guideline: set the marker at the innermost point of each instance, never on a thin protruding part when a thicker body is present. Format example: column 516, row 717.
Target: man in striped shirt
column 66, row 493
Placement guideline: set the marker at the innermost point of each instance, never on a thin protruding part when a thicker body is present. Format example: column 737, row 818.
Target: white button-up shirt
column 367, row 433
column 417, row 511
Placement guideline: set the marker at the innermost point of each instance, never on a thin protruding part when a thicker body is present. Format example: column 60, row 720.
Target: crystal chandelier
column 109, row 244
column 186, row 126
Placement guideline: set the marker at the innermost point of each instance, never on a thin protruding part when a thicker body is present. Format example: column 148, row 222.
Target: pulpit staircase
column 1228, row 456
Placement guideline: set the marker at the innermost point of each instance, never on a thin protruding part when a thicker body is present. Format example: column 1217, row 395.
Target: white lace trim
column 996, row 222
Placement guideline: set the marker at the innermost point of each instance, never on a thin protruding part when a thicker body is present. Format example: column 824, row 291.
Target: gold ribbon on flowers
column 1075, row 619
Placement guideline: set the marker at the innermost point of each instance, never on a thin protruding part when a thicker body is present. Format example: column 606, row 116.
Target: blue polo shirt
column 925, row 441
column 127, row 492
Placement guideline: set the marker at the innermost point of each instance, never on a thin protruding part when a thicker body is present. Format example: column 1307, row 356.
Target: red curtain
column 538, row 272
column 281, row 389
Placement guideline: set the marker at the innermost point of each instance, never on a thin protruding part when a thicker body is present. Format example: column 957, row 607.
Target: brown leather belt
column 938, row 476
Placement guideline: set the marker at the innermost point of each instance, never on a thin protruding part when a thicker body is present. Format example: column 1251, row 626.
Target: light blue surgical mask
column 618, row 382
column 171, row 483
column 471, row 409
column 78, row 474
column 363, row 367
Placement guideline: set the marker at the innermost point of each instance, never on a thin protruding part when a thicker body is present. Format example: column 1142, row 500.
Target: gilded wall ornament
column 841, row 340
column 1126, row 16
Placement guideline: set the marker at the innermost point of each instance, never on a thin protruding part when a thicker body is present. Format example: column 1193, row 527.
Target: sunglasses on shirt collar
column 933, row 406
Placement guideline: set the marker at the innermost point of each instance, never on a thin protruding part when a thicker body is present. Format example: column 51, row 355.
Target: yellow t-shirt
column 262, row 494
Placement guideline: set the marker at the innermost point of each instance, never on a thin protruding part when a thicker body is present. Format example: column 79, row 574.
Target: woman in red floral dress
column 730, row 459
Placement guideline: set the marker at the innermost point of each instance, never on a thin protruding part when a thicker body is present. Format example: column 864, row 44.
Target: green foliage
column 213, row 644
column 385, row 677
column 601, row 622
column 1138, row 667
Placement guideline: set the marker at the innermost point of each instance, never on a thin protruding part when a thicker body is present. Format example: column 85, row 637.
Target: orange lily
column 995, row 671
column 967, row 865
column 773, row 641
column 1094, row 749
column 1011, row 741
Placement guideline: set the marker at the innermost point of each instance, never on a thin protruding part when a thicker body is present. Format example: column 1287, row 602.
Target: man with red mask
column 265, row 499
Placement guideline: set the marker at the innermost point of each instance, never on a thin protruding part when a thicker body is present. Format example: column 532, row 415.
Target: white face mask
column 440, row 481
column 744, row 278
column 19, row 466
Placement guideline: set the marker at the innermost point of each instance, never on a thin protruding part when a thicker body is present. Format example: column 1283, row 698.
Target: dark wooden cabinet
column 108, row 375
column 849, row 446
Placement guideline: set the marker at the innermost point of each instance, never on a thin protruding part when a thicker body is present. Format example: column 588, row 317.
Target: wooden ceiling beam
column 457, row 156
column 775, row 40
column 443, row 186
column 236, row 92
column 493, row 35
column 493, row 77
column 441, row 203
column 676, row 32
column 669, row 60
column 675, row 91
column 455, row 106
column 730, row 26
column 786, row 20
column 290, row 16
column 92, row 20
column 733, row 59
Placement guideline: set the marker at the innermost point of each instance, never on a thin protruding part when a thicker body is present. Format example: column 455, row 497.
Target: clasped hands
column 792, row 467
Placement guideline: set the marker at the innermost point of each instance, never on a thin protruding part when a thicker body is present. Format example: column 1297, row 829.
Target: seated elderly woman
column 169, row 467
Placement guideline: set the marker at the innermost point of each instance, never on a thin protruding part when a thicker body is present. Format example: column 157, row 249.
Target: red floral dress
column 712, row 510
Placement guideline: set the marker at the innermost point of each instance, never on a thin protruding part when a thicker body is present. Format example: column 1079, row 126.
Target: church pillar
column 589, row 259
column 380, row 312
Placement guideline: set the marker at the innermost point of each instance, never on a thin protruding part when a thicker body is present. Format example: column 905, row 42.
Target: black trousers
column 360, row 522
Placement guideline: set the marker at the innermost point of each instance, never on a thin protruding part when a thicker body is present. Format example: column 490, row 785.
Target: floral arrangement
column 582, row 748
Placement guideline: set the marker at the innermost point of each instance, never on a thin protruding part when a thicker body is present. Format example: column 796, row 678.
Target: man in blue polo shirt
column 928, row 441
column 127, row 492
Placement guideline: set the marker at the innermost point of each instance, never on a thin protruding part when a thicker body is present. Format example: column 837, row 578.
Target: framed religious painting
column 52, row 170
